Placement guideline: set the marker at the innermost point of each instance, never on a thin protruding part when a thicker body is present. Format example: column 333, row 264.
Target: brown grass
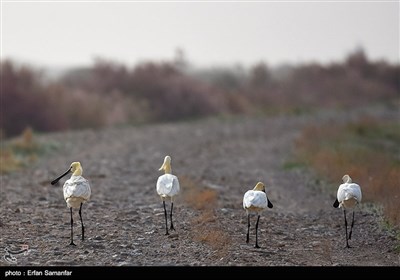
column 8, row 161
column 26, row 141
column 202, row 199
column 367, row 150
column 19, row 152
column 207, row 228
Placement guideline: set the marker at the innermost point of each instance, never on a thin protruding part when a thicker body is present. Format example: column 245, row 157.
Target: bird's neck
column 167, row 169
column 78, row 172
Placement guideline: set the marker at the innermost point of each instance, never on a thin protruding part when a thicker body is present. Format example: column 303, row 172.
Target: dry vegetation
column 124, row 220
column 205, row 223
column 19, row 152
column 367, row 150
column 110, row 93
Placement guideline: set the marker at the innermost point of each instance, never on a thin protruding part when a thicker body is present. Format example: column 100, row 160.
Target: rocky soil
column 217, row 161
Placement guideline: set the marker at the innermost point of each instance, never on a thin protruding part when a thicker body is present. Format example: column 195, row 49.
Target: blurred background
column 90, row 65
column 77, row 65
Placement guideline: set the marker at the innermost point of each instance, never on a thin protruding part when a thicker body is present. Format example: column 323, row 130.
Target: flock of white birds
column 77, row 191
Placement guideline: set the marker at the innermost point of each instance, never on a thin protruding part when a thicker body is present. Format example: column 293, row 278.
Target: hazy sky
column 72, row 33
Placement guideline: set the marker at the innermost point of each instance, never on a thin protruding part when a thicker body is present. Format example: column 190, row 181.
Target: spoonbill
column 76, row 192
column 255, row 201
column 348, row 197
column 167, row 187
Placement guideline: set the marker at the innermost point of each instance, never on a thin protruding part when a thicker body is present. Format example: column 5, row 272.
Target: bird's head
column 75, row 168
column 259, row 187
column 346, row 179
column 166, row 166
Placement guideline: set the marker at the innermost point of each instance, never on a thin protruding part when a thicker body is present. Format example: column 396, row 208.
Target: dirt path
column 216, row 161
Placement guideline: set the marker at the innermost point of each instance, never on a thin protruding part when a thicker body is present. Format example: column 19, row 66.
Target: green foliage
column 288, row 165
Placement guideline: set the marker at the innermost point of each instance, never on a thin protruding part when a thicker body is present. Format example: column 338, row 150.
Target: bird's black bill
column 55, row 181
column 336, row 203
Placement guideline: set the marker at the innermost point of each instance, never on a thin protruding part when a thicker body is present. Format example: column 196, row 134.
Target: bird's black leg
column 166, row 223
column 72, row 229
column 258, row 219
column 83, row 228
column 351, row 228
column 248, row 228
column 170, row 216
column 345, row 225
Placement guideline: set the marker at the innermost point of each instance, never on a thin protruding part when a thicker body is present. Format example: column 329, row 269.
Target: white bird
column 348, row 197
column 255, row 201
column 76, row 192
column 167, row 187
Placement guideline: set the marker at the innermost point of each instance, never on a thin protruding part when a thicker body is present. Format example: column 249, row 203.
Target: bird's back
column 256, row 200
column 349, row 194
column 167, row 185
column 76, row 191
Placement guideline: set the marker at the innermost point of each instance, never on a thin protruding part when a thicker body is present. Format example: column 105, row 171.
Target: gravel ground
column 217, row 161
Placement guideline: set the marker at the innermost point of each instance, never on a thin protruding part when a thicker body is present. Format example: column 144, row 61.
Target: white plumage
column 76, row 191
column 255, row 201
column 167, row 186
column 348, row 197
column 349, row 193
